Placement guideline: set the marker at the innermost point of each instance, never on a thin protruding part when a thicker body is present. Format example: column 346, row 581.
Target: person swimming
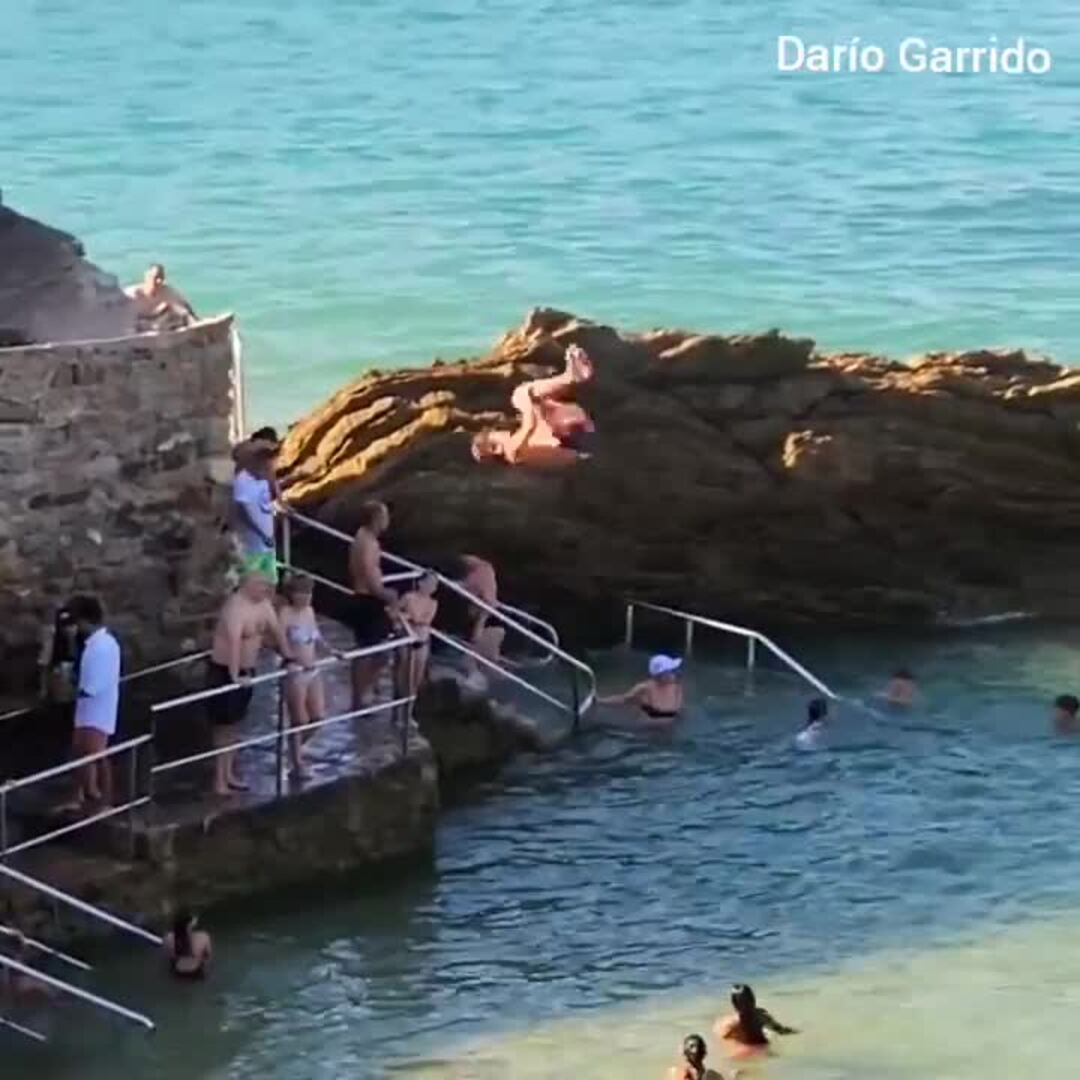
column 189, row 950
column 744, row 1030
column 813, row 731
column 660, row 696
column 693, row 1067
column 1066, row 708
column 901, row 689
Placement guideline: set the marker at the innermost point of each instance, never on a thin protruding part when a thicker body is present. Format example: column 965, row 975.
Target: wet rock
column 747, row 477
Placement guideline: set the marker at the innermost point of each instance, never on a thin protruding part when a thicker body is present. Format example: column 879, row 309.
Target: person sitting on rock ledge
column 159, row 306
column 552, row 430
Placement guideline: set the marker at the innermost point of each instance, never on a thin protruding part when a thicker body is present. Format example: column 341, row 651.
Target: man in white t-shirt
column 253, row 513
column 98, row 700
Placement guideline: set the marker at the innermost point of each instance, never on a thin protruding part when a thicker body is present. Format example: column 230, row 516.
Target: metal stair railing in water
column 753, row 639
column 549, row 641
column 82, row 906
column 39, row 946
column 73, row 991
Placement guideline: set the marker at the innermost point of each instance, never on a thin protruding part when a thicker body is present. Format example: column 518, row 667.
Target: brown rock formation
column 743, row 477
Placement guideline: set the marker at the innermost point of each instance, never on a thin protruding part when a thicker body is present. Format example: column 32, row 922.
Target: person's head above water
column 743, row 998
column 695, row 1050
column 816, row 712
column 664, row 668
column 1066, row 706
column 904, row 674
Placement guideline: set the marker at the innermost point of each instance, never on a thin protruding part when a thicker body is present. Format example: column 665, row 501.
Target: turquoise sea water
column 377, row 182
column 908, row 896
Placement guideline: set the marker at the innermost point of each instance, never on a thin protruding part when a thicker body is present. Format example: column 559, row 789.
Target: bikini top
column 297, row 634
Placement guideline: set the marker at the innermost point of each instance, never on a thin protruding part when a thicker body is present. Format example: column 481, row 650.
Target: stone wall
column 114, row 461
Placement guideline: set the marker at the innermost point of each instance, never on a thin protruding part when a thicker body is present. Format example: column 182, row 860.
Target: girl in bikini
column 418, row 610
column 304, row 692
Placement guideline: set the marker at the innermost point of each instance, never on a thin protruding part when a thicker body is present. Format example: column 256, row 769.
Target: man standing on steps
column 374, row 609
column 246, row 622
column 98, row 701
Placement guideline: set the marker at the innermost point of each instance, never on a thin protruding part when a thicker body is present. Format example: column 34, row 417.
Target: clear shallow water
column 911, row 898
column 375, row 183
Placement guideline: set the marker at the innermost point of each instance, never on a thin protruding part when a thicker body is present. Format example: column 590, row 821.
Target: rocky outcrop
column 740, row 476
column 50, row 293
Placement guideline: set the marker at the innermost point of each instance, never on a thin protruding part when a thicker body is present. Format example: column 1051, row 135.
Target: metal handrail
column 752, row 637
column 41, row 947
column 58, row 770
column 79, row 905
column 585, row 703
column 280, row 673
column 449, row 639
column 30, row 1033
column 77, row 992
column 273, row 736
column 190, row 658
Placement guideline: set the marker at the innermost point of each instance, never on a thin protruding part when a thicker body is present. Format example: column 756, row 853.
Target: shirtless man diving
column 552, row 430
column 246, row 622
column 374, row 609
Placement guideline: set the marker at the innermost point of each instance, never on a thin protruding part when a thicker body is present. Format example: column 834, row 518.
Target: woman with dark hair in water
column 692, row 1066
column 744, row 1030
column 188, row 949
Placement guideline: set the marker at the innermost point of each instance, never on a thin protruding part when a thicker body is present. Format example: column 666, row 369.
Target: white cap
column 663, row 665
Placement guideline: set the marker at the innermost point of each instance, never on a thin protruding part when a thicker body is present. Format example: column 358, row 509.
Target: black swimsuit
column 658, row 714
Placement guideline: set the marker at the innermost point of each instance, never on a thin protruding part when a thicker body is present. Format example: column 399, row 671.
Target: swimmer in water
column 901, row 689
column 743, row 1031
column 693, row 1066
column 660, row 696
column 1066, row 721
column 813, row 732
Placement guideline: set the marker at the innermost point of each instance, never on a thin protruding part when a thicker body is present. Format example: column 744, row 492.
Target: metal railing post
column 133, row 783
column 286, row 540
column 689, row 632
column 280, row 756
column 3, row 821
column 751, row 655
column 629, row 624
column 575, row 699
